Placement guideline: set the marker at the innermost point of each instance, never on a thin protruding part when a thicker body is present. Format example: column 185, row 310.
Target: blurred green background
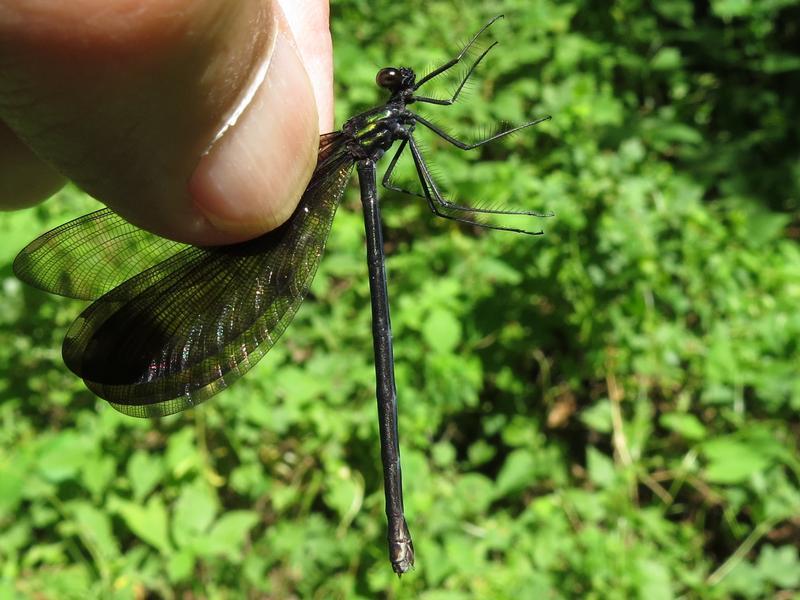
column 606, row 411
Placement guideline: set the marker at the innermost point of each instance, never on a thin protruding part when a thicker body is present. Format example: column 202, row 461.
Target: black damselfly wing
column 194, row 319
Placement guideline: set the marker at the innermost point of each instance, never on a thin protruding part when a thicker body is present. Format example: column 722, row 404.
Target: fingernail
column 252, row 177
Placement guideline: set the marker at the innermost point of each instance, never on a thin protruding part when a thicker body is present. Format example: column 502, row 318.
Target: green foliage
column 607, row 411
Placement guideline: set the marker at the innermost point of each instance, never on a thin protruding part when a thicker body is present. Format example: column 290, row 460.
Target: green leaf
column 655, row 579
column 144, row 472
column 780, row 566
column 480, row 452
column 517, row 472
column 344, row 493
column 194, row 512
column 98, row 472
column 12, row 479
column 731, row 8
column 601, row 468
column 687, row 425
column 680, row 11
column 149, row 522
column 228, row 534
column 732, row 461
column 598, row 416
column 63, row 456
column 442, row 331
column 180, row 565
column 182, row 455
column 476, row 491
column 95, row 527
column 666, row 59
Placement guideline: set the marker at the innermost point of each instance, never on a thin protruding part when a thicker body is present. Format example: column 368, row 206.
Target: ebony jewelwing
column 171, row 324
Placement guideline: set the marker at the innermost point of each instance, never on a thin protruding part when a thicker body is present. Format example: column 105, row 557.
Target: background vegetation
column 607, row 411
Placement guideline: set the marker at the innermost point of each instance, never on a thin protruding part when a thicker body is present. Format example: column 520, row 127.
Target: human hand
column 125, row 96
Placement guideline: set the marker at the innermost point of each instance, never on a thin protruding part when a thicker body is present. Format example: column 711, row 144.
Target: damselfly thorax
column 373, row 132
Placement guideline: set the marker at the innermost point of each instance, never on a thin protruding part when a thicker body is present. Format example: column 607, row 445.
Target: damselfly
column 171, row 324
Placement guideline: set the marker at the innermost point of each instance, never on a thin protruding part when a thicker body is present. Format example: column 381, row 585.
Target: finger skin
column 309, row 22
column 24, row 179
column 124, row 97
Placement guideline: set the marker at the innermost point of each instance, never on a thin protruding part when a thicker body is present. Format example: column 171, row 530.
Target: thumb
column 194, row 119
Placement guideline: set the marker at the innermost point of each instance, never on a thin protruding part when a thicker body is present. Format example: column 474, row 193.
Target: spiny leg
column 464, row 145
column 434, row 197
column 444, row 202
column 453, row 62
column 387, row 183
column 429, row 198
column 387, row 176
column 454, row 97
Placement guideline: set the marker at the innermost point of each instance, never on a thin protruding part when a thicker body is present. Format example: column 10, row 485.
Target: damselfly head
column 395, row 79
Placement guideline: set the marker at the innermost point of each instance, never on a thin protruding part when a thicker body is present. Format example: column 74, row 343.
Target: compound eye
column 389, row 78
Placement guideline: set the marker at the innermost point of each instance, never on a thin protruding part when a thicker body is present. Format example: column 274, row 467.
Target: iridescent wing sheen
column 187, row 327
